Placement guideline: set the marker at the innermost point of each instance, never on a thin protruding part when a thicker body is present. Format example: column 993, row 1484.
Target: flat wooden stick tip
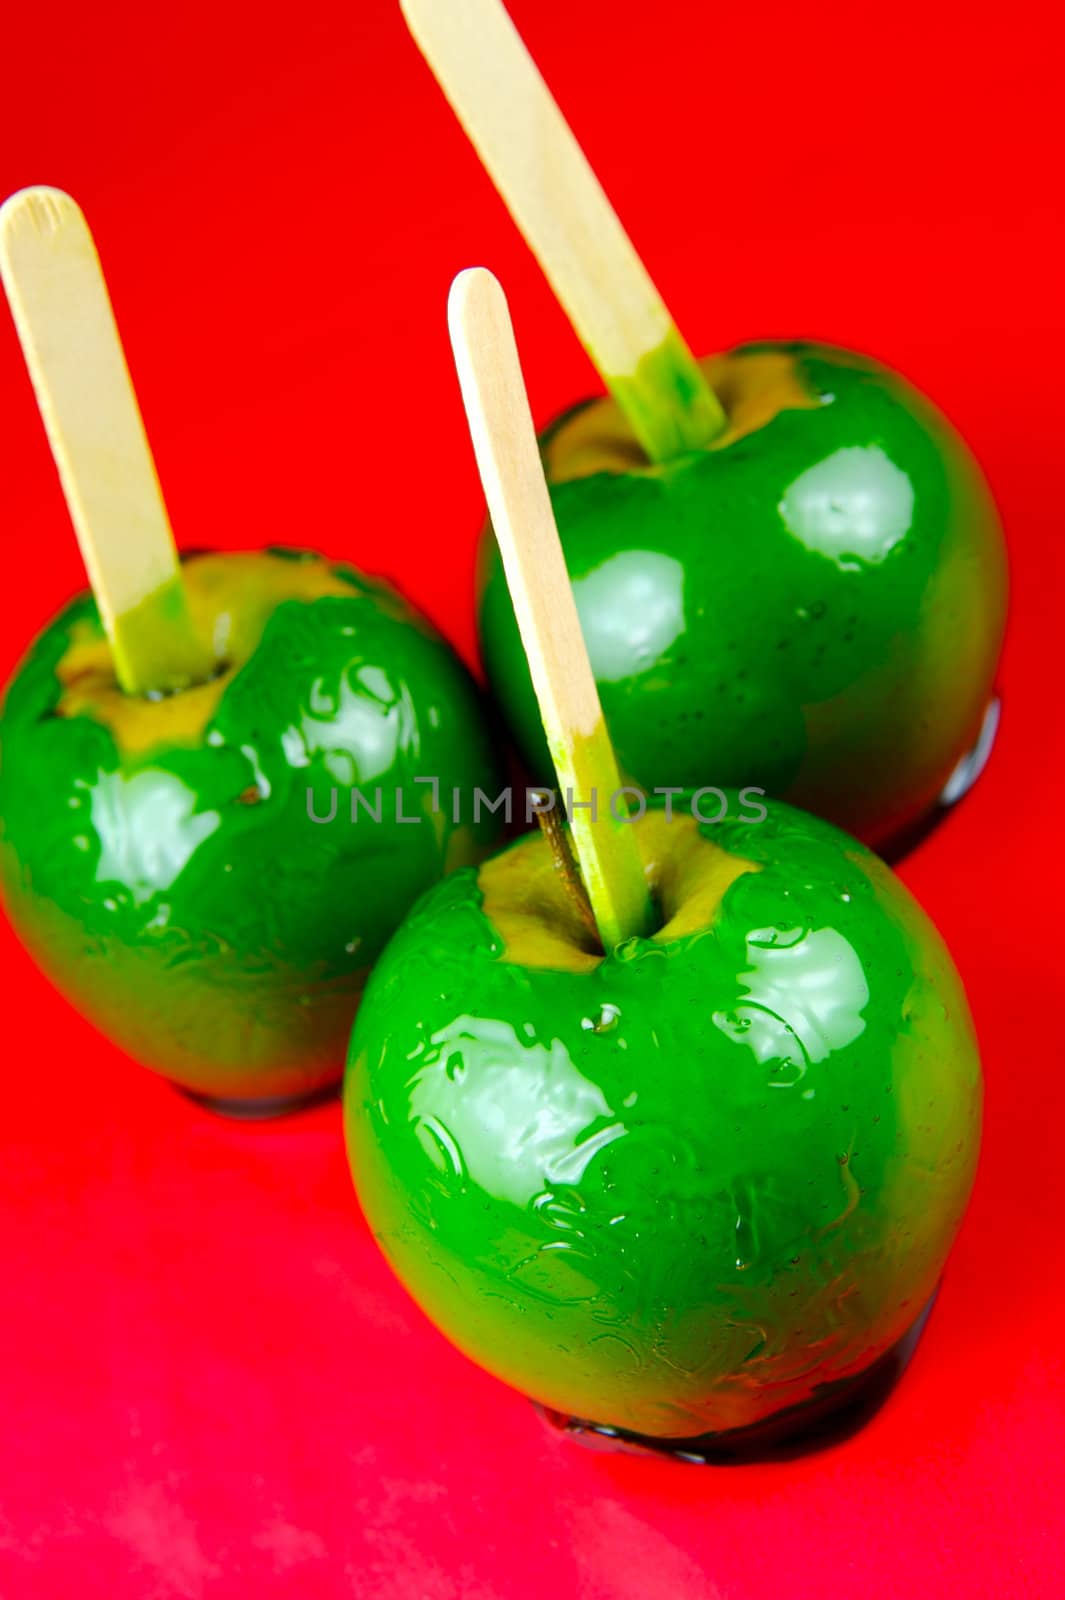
column 41, row 209
column 470, row 286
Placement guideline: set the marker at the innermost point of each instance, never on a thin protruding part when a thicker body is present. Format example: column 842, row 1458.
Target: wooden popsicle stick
column 535, row 162
column 508, row 459
column 53, row 280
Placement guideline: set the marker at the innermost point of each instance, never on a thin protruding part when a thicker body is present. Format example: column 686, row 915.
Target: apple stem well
column 512, row 474
column 62, row 310
column 548, row 185
column 566, row 865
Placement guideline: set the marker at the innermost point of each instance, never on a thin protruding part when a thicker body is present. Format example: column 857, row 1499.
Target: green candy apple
column 813, row 604
column 186, row 868
column 697, row 1184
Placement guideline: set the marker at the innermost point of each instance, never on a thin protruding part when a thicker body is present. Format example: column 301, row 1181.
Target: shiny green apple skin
column 692, row 1186
column 815, row 604
column 167, row 862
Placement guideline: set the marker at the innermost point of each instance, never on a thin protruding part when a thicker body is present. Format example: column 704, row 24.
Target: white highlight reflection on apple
column 806, row 991
column 632, row 610
column 532, row 1124
column 854, row 506
column 357, row 727
column 148, row 828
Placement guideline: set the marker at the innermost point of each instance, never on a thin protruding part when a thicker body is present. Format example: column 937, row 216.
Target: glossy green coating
column 680, row 1189
column 168, row 862
column 813, row 604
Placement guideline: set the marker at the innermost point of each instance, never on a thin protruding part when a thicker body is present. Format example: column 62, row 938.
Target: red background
column 209, row 1384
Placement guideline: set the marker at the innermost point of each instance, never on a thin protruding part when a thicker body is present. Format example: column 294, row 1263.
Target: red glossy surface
column 209, row 1384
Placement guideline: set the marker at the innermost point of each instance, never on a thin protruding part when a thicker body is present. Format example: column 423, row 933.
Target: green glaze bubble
column 813, row 604
column 691, row 1185
column 168, row 861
